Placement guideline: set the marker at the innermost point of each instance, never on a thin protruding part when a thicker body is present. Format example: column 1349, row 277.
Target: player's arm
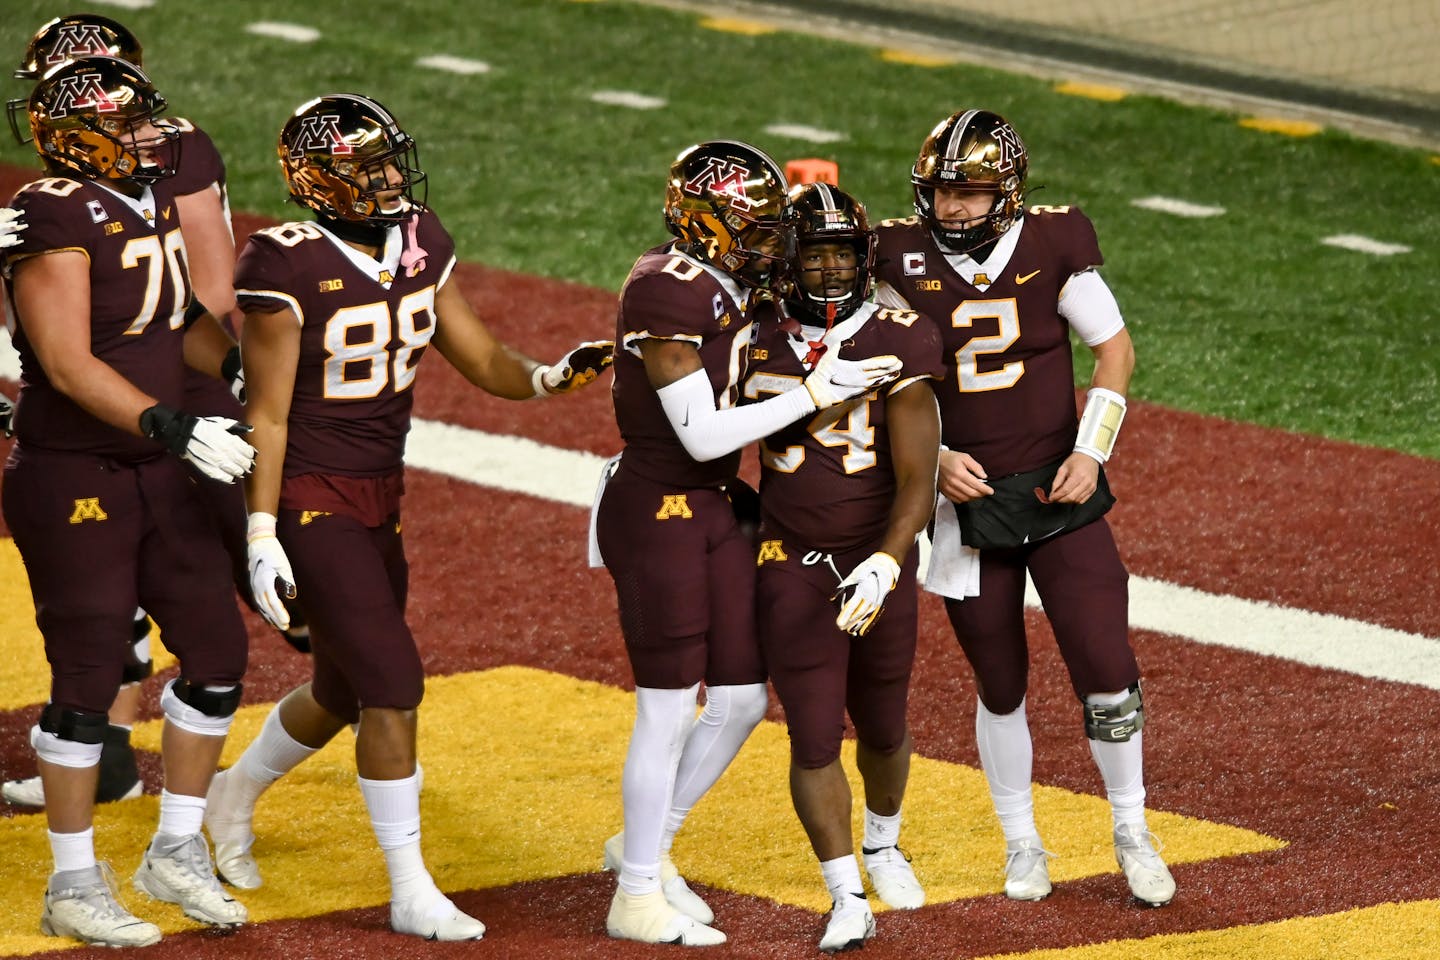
column 52, row 299
column 271, row 347
column 913, row 419
column 463, row 339
column 708, row 432
column 210, row 249
column 1089, row 306
column 207, row 345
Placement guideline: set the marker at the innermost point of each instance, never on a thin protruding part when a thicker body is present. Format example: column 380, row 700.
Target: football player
column 103, row 519
column 665, row 526
column 339, row 312
column 1024, row 486
column 843, row 495
column 201, row 199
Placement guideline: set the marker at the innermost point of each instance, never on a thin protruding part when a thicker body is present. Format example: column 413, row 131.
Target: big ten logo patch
column 674, row 505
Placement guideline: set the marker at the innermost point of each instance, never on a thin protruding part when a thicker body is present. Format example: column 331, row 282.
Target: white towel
column 606, row 472
column 954, row 569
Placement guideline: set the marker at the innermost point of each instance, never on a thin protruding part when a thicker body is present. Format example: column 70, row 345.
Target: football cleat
column 85, row 905
column 851, row 924
column 649, row 918
column 677, row 891
column 1150, row 880
column 893, row 878
column 185, row 876
column 30, row 792
column 1027, row 870
column 434, row 919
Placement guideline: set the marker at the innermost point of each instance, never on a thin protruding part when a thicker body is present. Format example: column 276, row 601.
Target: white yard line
column 524, row 466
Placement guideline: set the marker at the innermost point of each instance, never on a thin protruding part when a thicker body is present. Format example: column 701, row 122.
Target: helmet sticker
column 75, row 40
column 320, row 133
column 721, row 176
column 80, row 92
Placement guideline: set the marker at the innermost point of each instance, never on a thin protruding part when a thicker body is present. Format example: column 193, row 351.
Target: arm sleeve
column 708, row 433
column 1090, row 308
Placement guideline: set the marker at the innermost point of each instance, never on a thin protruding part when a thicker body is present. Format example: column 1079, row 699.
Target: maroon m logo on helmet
column 320, row 133
column 80, row 92
column 76, row 40
column 724, row 177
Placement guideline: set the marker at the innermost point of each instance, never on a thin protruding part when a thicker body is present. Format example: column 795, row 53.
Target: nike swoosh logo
column 686, row 421
column 1028, row 276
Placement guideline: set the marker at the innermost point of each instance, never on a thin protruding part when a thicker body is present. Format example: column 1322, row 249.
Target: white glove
column 213, row 444
column 10, row 226
column 862, row 594
column 577, row 368
column 834, row 380
column 269, row 566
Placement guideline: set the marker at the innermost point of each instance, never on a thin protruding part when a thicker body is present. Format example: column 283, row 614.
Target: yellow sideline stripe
column 1094, row 91
column 914, row 59
column 748, row 28
column 522, row 782
column 1280, row 125
column 25, row 681
column 1390, row 931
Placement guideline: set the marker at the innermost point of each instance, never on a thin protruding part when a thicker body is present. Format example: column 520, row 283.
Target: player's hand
column 11, row 223
column 1076, row 481
column 270, row 573
column 213, row 444
column 961, row 477
column 581, row 366
column 232, row 371
column 7, row 416
column 835, row 380
column 862, row 594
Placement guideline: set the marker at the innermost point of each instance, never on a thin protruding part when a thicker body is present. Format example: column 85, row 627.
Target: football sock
column 1006, row 754
column 880, row 832
column 180, row 814
column 842, row 877
column 731, row 713
column 73, row 851
column 1122, row 767
column 273, row 754
column 394, row 807
column 662, row 718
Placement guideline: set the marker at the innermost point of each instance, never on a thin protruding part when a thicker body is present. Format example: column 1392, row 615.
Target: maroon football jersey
column 365, row 324
column 139, row 285
column 669, row 296
column 827, row 480
column 1008, row 398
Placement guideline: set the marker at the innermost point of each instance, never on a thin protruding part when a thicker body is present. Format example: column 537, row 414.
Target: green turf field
column 1245, row 315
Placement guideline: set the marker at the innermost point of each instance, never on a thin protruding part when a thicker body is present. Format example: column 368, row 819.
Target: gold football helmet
column 78, row 35
column 727, row 203
column 340, row 153
column 93, row 117
column 972, row 150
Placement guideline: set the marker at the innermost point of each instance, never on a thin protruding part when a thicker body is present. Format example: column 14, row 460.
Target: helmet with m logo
column 345, row 157
column 972, row 150
column 727, row 202
column 95, row 117
column 78, row 35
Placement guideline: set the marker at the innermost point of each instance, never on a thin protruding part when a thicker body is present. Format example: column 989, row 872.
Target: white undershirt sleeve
column 708, row 433
column 1089, row 306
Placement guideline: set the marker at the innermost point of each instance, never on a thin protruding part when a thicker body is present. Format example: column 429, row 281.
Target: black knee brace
column 76, row 726
column 212, row 703
column 1115, row 723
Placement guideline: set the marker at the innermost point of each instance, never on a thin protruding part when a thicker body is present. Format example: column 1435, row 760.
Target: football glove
column 270, row 573
column 213, row 444
column 232, row 371
column 577, row 368
column 862, row 594
column 7, row 416
column 834, row 380
column 10, row 226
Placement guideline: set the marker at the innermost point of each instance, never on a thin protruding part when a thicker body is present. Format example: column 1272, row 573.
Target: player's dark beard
column 364, row 233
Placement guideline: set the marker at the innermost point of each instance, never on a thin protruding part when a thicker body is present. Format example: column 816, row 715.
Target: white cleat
column 1027, row 870
column 230, row 830
column 185, row 876
column 851, row 924
column 893, row 878
column 88, row 909
column 30, row 792
column 435, row 920
column 649, row 918
column 677, row 891
column 1150, row 880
